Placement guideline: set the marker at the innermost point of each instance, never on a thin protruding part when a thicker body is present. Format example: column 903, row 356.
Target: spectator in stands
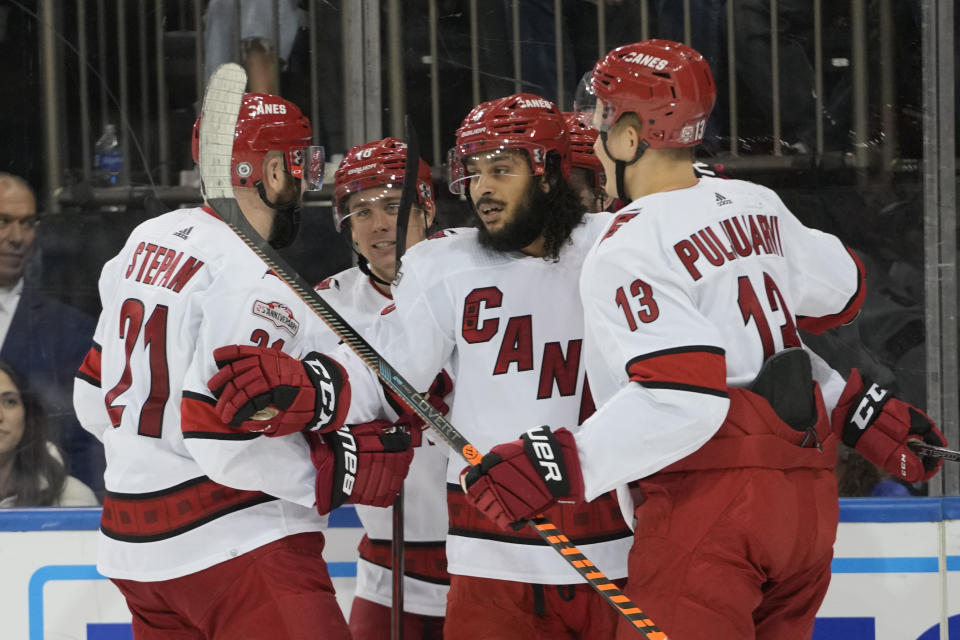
column 40, row 336
column 262, row 56
column 31, row 467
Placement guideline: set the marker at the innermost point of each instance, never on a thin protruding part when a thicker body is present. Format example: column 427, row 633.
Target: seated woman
column 32, row 472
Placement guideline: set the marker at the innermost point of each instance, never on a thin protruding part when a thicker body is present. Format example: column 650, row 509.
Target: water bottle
column 107, row 158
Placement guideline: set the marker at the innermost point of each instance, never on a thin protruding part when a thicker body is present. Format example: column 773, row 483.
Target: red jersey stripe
column 697, row 368
column 90, row 367
column 849, row 312
column 198, row 419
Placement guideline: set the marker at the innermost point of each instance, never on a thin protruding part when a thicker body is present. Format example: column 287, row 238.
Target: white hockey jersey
column 185, row 491
column 509, row 329
column 426, row 582
column 686, row 294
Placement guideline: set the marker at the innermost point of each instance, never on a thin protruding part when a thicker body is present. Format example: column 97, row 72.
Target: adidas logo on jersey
column 722, row 200
column 183, row 233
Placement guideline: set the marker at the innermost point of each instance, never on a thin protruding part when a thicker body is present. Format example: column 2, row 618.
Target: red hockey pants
column 739, row 554
column 281, row 590
column 504, row 610
column 371, row 621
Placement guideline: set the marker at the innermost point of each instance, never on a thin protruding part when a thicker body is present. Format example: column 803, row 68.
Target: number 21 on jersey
column 154, row 342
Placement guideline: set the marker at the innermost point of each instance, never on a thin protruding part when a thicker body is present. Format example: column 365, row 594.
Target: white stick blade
column 221, row 107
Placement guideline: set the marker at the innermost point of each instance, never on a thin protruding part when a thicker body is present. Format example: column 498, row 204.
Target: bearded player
column 498, row 306
column 212, row 528
column 710, row 424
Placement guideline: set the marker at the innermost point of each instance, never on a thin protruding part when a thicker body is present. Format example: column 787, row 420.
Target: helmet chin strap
column 364, row 267
column 287, row 221
column 621, row 166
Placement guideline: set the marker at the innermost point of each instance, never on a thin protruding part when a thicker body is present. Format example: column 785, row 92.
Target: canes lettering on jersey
column 516, row 344
column 172, row 279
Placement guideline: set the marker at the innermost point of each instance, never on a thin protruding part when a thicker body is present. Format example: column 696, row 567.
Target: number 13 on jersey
column 638, row 303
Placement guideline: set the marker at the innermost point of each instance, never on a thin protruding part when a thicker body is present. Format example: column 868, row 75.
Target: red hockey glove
column 363, row 464
column 519, row 479
column 876, row 424
column 267, row 391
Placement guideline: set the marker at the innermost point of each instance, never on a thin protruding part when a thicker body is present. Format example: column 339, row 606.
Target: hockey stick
column 221, row 105
column 407, row 194
column 921, row 448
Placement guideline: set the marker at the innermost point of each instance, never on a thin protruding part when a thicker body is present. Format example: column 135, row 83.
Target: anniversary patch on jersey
column 279, row 314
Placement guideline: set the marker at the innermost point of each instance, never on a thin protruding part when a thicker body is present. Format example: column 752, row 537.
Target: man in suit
column 40, row 336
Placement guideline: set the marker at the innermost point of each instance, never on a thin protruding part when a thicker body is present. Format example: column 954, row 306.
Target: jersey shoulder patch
column 618, row 221
column 328, row 283
column 443, row 233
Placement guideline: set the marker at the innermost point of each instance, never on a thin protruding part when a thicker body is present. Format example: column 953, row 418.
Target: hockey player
column 499, row 305
column 207, row 530
column 692, row 288
column 367, row 188
column 586, row 172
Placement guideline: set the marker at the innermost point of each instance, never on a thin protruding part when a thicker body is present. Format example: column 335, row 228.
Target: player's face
column 18, row 220
column 609, row 168
column 372, row 215
column 498, row 186
column 11, row 416
column 582, row 182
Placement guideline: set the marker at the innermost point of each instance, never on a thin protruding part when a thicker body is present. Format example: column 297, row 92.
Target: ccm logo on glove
column 326, row 390
column 869, row 406
column 879, row 426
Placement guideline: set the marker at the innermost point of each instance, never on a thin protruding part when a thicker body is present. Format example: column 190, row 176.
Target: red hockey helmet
column 582, row 137
column 667, row 84
column 270, row 123
column 521, row 121
column 377, row 164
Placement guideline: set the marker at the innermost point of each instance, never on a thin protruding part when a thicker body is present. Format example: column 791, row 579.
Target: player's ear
column 273, row 171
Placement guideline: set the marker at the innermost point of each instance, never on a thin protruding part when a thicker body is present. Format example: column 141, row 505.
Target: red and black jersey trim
column 694, row 368
column 199, row 420
column 159, row 515
column 593, row 522
column 89, row 370
column 426, row 561
column 849, row 311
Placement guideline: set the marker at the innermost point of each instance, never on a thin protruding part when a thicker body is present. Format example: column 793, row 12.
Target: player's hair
column 38, row 476
column 565, row 212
